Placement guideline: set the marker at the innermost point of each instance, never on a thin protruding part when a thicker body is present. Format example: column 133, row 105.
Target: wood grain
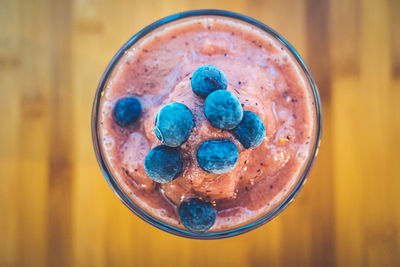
column 57, row 209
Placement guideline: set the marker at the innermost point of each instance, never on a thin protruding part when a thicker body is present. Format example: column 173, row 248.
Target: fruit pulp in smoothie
column 265, row 77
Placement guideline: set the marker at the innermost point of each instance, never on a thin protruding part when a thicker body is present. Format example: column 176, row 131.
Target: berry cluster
column 173, row 125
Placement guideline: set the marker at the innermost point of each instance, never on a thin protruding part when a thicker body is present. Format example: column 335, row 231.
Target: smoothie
column 265, row 77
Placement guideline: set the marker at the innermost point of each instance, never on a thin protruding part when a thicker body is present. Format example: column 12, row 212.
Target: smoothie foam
column 260, row 71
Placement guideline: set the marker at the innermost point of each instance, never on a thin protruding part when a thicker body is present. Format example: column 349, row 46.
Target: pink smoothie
column 267, row 80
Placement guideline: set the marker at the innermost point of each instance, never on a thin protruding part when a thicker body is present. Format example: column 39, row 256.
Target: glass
column 113, row 183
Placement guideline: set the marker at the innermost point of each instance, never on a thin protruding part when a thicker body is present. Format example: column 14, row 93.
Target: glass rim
column 128, row 201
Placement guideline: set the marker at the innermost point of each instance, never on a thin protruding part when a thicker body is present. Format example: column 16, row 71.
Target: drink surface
column 267, row 80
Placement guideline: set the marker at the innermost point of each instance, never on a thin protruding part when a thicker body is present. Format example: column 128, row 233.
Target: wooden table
column 56, row 208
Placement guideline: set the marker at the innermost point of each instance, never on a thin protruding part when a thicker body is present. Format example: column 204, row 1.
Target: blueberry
column 173, row 124
column 163, row 164
column 223, row 110
column 217, row 156
column 197, row 215
column 207, row 79
column 251, row 130
column 126, row 111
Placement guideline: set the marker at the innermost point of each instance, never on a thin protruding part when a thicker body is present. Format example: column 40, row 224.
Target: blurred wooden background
column 56, row 208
